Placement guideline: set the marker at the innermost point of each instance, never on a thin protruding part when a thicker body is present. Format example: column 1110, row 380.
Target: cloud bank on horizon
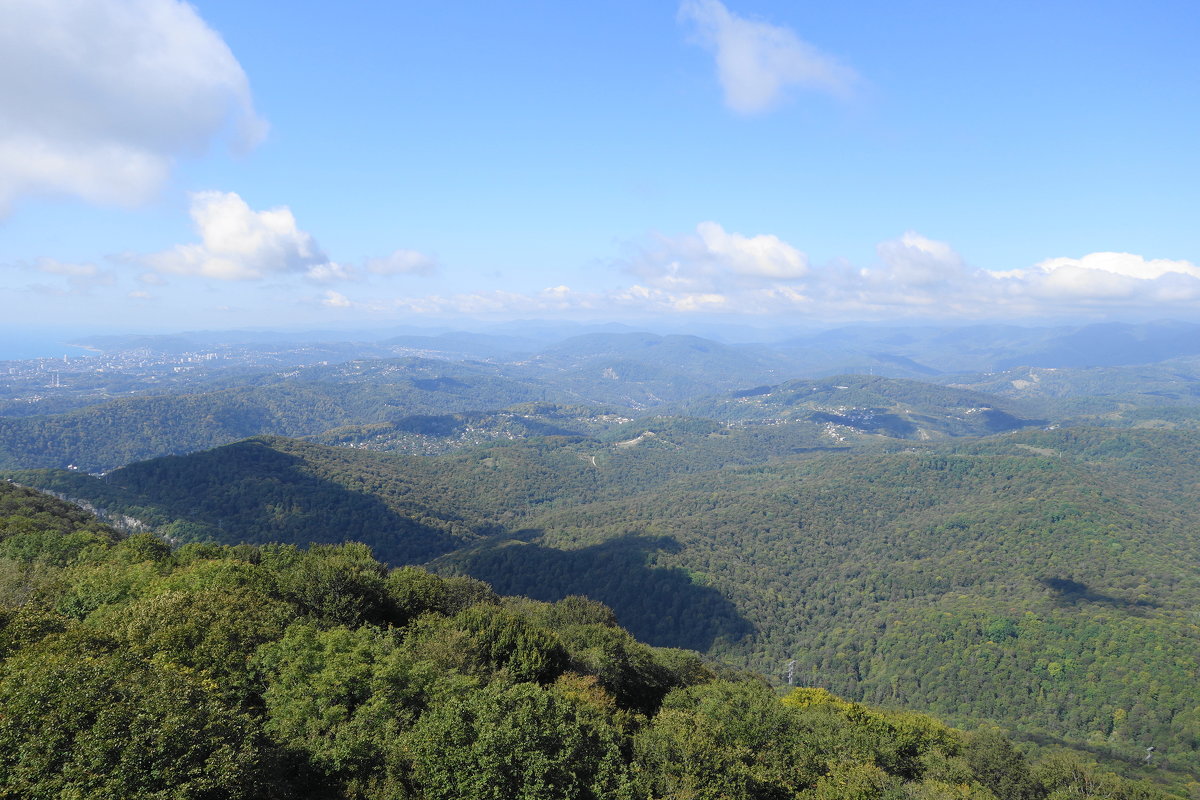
column 710, row 271
column 102, row 100
column 713, row 271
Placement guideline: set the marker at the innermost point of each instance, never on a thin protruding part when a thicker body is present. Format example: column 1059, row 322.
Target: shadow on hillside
column 870, row 421
column 1134, row 756
column 1069, row 592
column 659, row 605
column 249, row 492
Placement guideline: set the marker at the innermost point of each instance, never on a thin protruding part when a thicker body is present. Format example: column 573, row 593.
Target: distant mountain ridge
column 369, row 401
column 621, row 372
column 983, row 348
column 900, row 351
column 892, row 407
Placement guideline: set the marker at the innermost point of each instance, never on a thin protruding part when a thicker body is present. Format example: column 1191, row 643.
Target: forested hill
column 422, row 406
column 1051, row 591
column 108, row 417
column 894, row 407
column 130, row 670
column 407, row 508
column 108, row 435
column 1044, row 580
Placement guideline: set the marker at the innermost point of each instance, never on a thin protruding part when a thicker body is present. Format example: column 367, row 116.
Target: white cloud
column 763, row 256
column 238, row 243
column 1107, row 279
column 914, row 261
column 757, row 61
column 709, row 271
column 1127, row 264
column 712, row 258
column 98, row 97
column 331, row 271
column 914, row 276
column 403, row 262
column 336, row 300
column 918, row 273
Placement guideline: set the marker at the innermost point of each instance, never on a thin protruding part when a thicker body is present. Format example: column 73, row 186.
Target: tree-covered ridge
column 35, row 528
column 1044, row 579
column 409, row 509
column 281, row 490
column 294, row 403
column 130, row 670
column 902, row 409
column 1035, row 589
column 424, row 406
column 1099, row 389
column 277, row 384
column 994, row 348
column 429, row 434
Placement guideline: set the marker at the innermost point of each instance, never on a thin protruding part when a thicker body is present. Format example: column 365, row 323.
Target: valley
column 989, row 548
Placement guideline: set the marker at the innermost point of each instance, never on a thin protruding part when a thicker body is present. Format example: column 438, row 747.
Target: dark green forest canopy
column 1042, row 580
column 128, row 669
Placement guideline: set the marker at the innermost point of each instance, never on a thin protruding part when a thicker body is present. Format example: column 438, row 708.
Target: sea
column 20, row 343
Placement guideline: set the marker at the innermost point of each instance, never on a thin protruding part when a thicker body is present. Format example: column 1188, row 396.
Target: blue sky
column 307, row 164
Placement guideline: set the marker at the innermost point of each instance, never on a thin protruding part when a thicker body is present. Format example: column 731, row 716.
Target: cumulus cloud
column 713, row 257
column 710, row 270
column 1127, row 264
column 717, row 272
column 920, row 275
column 757, row 62
column 762, row 256
column 239, row 243
column 915, row 261
column 98, row 97
column 1109, row 278
column 334, row 299
column 331, row 271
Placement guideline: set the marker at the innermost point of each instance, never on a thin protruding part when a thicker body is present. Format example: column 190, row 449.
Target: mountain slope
column 138, row 672
column 1045, row 580
column 304, row 401
column 989, row 348
column 891, row 407
column 1041, row 590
